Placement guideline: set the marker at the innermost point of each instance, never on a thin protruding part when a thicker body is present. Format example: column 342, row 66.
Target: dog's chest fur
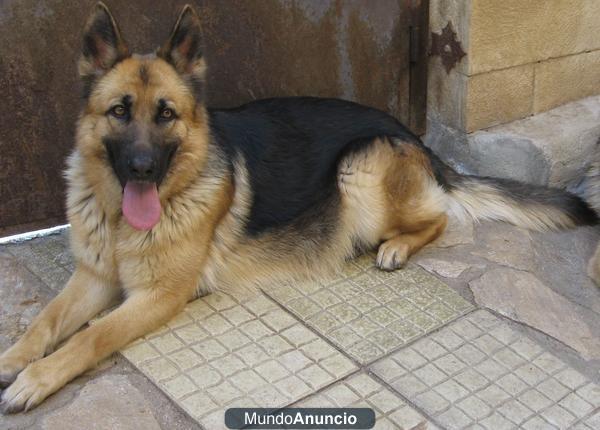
column 103, row 243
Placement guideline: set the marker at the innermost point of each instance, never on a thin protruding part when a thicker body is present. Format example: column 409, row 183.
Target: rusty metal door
column 354, row 49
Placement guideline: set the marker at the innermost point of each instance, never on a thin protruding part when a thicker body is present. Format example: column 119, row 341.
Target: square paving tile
column 362, row 391
column 478, row 371
column 219, row 353
column 591, row 423
column 368, row 312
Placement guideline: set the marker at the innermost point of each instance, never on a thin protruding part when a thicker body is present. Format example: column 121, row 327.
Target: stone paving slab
column 362, row 391
column 368, row 312
column 49, row 258
column 21, row 299
column 219, row 354
column 479, row 373
column 108, row 401
column 523, row 297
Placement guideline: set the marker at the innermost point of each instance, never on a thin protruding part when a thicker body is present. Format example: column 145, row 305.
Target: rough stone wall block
column 551, row 148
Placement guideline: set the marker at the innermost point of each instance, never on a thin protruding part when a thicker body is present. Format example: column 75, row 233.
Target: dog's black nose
column 141, row 166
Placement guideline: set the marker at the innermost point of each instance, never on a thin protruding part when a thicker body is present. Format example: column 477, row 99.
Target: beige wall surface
column 505, row 33
column 498, row 97
column 523, row 57
column 565, row 79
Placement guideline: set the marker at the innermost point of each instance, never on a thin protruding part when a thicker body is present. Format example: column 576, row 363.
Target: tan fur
column 158, row 270
column 416, row 210
column 387, row 193
column 388, row 196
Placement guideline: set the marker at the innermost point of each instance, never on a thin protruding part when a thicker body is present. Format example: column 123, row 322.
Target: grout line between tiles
column 511, row 371
column 313, row 330
column 405, row 399
column 163, row 392
column 365, row 367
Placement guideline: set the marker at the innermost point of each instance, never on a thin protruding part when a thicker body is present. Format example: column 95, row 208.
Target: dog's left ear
column 183, row 50
column 103, row 46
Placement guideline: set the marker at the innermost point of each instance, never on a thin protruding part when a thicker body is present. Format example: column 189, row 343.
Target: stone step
column 550, row 148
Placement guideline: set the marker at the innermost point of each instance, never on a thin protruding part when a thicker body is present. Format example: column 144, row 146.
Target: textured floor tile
column 477, row 371
column 219, row 353
column 592, row 422
column 362, row 391
column 368, row 312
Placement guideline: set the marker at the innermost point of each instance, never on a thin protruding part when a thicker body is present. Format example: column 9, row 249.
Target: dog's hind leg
column 394, row 252
column 84, row 296
column 414, row 205
column 391, row 197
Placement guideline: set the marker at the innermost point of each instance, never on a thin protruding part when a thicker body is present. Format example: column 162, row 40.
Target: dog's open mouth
column 141, row 205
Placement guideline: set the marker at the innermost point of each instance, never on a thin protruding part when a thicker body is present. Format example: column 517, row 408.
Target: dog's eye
column 119, row 111
column 166, row 114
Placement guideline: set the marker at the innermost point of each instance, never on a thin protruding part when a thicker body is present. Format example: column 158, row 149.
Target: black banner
column 300, row 418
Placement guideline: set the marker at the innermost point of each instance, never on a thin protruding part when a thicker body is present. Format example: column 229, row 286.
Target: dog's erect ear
column 184, row 47
column 103, row 46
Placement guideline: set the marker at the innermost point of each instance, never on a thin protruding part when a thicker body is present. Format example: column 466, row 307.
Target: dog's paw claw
column 6, row 379
column 10, row 367
column 9, row 408
column 391, row 256
column 27, row 391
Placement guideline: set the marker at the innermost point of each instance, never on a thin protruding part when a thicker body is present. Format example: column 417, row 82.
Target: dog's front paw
column 392, row 255
column 10, row 366
column 31, row 386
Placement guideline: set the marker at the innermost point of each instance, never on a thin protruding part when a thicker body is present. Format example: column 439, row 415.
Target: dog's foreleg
column 84, row 296
column 142, row 312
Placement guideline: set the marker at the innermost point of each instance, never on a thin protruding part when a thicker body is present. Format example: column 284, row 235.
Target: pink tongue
column 141, row 206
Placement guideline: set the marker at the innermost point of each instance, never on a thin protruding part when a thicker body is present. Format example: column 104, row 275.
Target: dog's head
column 143, row 128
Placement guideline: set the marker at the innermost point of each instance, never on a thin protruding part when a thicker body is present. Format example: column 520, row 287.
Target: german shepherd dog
column 168, row 199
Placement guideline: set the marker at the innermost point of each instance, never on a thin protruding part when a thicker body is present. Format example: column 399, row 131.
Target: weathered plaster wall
column 352, row 49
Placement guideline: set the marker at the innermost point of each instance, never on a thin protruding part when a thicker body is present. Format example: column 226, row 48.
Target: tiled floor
column 478, row 373
column 473, row 372
column 369, row 312
column 402, row 343
column 362, row 391
column 219, row 354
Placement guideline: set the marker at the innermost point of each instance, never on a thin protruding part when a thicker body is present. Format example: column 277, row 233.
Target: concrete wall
column 523, row 57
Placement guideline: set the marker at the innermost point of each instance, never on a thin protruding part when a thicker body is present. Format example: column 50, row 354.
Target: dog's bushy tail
column 531, row 206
